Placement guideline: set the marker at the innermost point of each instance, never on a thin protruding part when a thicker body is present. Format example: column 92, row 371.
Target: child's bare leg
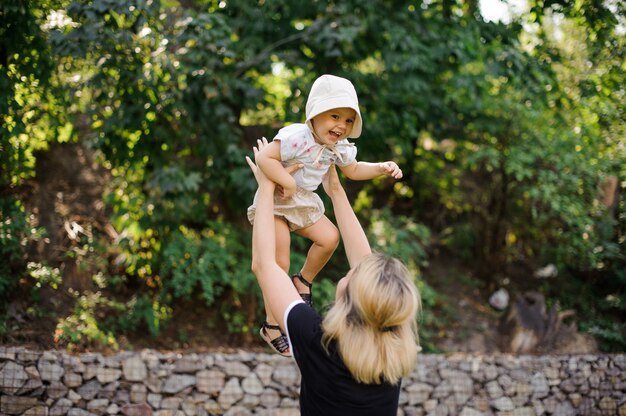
column 325, row 237
column 283, row 242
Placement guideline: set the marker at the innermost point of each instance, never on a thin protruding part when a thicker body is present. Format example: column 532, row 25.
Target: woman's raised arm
column 354, row 239
column 277, row 288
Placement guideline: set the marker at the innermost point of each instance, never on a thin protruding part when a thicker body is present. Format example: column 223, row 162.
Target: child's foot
column 304, row 288
column 273, row 335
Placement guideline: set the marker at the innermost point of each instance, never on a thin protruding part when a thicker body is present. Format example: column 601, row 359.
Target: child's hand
column 392, row 169
column 287, row 192
column 260, row 176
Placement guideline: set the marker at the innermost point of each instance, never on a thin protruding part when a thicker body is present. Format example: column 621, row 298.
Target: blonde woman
column 353, row 360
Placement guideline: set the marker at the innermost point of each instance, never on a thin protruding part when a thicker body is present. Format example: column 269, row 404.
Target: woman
column 352, row 361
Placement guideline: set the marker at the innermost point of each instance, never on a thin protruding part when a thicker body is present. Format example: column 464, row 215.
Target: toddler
column 332, row 117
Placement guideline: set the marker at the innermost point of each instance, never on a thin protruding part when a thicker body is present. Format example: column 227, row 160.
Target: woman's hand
column 331, row 182
column 260, row 177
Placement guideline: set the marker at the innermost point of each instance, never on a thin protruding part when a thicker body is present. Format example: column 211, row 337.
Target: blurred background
column 123, row 186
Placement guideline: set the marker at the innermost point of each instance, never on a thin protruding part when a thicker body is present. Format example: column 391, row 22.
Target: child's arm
column 362, row 171
column 268, row 160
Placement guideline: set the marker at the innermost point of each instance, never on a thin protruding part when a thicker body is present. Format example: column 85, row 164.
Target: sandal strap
column 280, row 343
column 269, row 326
column 306, row 297
column 302, row 280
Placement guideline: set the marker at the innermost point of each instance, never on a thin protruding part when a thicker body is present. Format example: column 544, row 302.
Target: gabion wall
column 244, row 383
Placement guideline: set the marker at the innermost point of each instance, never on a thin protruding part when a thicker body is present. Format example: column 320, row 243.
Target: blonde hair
column 374, row 321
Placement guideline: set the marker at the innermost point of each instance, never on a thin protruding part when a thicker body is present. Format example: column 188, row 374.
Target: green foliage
column 399, row 236
column 504, row 138
column 209, row 261
column 82, row 328
column 25, row 125
column 13, row 228
column 143, row 311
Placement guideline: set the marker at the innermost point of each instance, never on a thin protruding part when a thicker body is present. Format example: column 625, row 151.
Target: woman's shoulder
column 302, row 321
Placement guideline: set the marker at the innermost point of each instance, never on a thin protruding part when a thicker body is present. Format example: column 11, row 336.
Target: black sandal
column 279, row 344
column 306, row 297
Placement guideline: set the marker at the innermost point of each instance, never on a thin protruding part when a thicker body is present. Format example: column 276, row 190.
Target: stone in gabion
column 141, row 409
column 56, row 390
column 16, row 405
column 49, row 371
column 154, row 400
column 270, row 398
column 189, row 406
column 73, row 396
column 494, row 390
column 189, row 364
column 176, row 383
column 286, row 375
column 503, row 404
column 108, row 391
column 468, row 411
column 88, row 391
column 74, row 411
column 463, row 385
column 171, row 403
column 250, row 401
column 30, row 387
column 523, row 411
column 28, row 356
column 210, row 381
column 252, row 385
column 230, row 394
column 108, row 375
column 154, row 383
column 539, row 385
column 443, row 390
column 72, row 380
column 564, row 409
column 238, row 411
column 264, row 372
column 418, row 393
column 12, row 377
column 90, row 371
column 138, row 393
column 430, row 405
column 36, row 411
column 212, row 407
column 134, row 369
column 235, row 369
column 98, row 406
column 8, row 353
column 608, row 405
column 491, row 372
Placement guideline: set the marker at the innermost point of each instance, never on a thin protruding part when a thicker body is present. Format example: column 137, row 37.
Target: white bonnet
column 328, row 92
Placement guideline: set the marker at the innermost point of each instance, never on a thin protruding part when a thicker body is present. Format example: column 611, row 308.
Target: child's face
column 333, row 125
